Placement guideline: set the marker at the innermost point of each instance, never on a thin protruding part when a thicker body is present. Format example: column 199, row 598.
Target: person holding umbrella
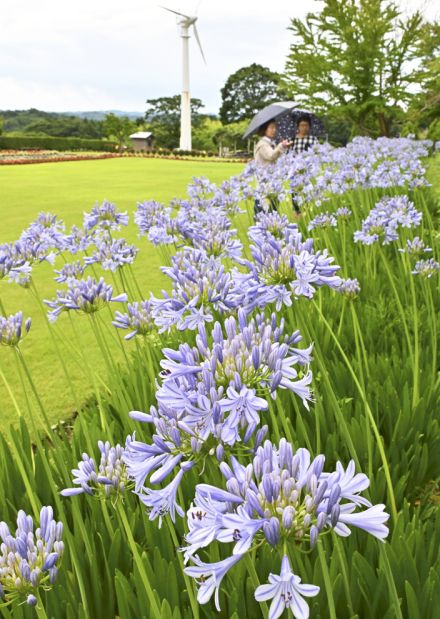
column 267, row 152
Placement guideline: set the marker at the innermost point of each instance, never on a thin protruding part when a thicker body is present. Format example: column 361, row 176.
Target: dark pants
column 295, row 204
column 258, row 206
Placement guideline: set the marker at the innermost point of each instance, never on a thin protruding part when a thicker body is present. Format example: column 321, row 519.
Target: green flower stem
column 188, row 581
column 135, row 281
column 34, row 390
column 154, row 608
column 55, row 344
column 39, row 608
column 341, row 318
column 390, row 580
column 416, row 356
column 327, row 583
column 11, row 394
column 399, row 303
column 433, row 322
column 250, row 565
column 360, row 347
column 343, row 566
column 375, row 429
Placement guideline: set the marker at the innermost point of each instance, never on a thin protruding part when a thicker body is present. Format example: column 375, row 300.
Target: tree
column 424, row 111
column 358, row 56
column 204, row 134
column 163, row 119
column 232, row 135
column 118, row 128
column 247, row 91
column 1, row 125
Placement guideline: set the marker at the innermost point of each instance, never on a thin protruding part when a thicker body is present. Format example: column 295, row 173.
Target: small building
column 142, row 140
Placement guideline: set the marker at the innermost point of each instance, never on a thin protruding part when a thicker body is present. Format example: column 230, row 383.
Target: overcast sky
column 109, row 54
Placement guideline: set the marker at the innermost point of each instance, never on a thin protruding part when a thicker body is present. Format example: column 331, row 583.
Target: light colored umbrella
column 268, row 113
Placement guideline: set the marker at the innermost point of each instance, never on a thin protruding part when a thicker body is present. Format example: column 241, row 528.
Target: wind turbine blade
column 196, row 34
column 175, row 12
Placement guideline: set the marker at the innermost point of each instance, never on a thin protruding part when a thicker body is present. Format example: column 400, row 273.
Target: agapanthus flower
column 426, row 268
column 74, row 270
column 200, row 286
column 209, row 577
column 105, row 216
column 415, row 246
column 208, row 229
column 270, row 224
column 349, row 287
column 286, row 593
column 112, row 253
column 154, row 218
column 229, row 195
column 283, row 269
column 201, row 187
column 31, row 559
column 14, row 266
column 110, row 477
column 88, row 296
column 343, row 213
column 139, row 319
column 384, row 220
column 78, row 240
column 283, row 498
column 211, row 397
column 324, row 220
column 12, row 329
column 224, row 381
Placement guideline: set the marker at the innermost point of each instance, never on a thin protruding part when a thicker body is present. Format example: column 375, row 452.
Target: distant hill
column 100, row 115
column 58, row 124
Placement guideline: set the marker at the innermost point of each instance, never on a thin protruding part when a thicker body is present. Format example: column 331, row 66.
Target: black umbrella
column 287, row 125
column 268, row 113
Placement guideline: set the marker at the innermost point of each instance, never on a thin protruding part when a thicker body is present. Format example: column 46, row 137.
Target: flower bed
column 17, row 157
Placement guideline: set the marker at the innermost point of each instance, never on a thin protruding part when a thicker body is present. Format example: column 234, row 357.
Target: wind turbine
column 185, row 22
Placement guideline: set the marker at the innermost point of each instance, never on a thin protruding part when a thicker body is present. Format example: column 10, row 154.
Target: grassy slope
column 68, row 189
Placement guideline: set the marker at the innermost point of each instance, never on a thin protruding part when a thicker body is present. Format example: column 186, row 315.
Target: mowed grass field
column 68, row 189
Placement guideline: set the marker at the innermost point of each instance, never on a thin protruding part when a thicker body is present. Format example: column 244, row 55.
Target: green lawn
column 68, row 189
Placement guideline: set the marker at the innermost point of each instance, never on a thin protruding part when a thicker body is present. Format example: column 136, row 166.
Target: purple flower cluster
column 271, row 224
column 415, row 246
column 31, row 559
column 112, row 254
column 201, row 287
column 154, row 219
column 14, row 266
column 426, row 268
column 283, row 269
column 384, row 220
column 201, row 222
column 139, row 319
column 88, row 296
column 349, row 287
column 283, row 498
column 71, row 270
column 110, row 477
column 11, row 329
column 324, row 220
column 211, row 398
column 105, row 216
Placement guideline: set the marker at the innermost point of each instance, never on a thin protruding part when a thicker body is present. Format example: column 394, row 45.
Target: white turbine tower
column 185, row 22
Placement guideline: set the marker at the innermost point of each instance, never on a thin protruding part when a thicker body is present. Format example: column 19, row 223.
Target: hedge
column 51, row 143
